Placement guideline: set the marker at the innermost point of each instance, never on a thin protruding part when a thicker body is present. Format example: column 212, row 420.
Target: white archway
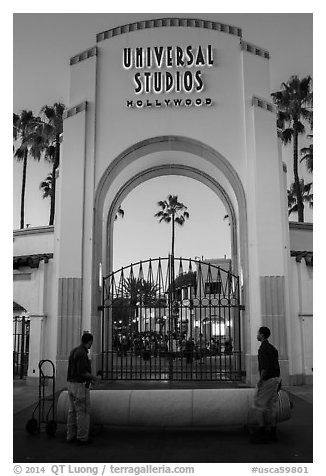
column 166, row 155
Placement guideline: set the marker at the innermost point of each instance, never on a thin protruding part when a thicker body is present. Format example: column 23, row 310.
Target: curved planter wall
column 189, row 408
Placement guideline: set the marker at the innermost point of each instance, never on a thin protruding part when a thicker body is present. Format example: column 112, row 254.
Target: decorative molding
column 22, row 276
column 32, row 261
column 295, row 225
column 34, row 230
column 69, row 315
column 18, row 308
column 256, row 101
column 83, row 56
column 306, row 255
column 38, row 316
column 75, row 110
column 256, row 50
column 168, row 22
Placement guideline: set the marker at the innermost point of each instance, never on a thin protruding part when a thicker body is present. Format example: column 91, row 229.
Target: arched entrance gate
column 244, row 173
column 171, row 319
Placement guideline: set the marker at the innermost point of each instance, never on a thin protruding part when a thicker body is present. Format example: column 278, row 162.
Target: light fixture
column 100, row 275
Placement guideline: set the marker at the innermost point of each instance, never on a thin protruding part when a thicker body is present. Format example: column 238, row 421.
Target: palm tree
column 25, row 144
column 131, row 290
column 172, row 212
column 140, row 290
column 294, row 105
column 148, row 292
column 306, row 193
column 51, row 130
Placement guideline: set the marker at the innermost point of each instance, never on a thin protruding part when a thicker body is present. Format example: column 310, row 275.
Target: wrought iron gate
column 171, row 319
column 20, row 346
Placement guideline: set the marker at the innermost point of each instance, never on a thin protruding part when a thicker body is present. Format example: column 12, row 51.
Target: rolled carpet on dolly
column 173, row 408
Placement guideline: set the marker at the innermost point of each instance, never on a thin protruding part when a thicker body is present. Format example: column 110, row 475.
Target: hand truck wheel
column 32, row 426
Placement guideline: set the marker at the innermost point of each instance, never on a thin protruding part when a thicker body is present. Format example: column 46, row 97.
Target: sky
column 42, row 46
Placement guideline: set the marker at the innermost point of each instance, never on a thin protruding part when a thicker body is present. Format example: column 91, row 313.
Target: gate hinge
column 242, row 307
column 100, row 308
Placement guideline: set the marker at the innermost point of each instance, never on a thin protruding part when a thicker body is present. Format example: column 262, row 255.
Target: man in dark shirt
column 266, row 398
column 79, row 378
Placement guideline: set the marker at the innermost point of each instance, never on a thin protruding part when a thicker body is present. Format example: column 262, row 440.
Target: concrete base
column 308, row 379
column 182, row 408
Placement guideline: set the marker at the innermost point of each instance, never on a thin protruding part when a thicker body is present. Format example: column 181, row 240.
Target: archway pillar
column 74, row 218
column 70, row 241
column 267, row 239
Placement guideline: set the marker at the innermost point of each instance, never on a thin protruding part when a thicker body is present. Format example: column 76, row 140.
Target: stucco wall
column 301, row 304
column 33, row 289
column 28, row 289
column 33, row 240
column 301, row 236
column 301, row 321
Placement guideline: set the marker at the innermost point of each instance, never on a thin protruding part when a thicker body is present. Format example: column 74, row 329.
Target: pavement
column 222, row 445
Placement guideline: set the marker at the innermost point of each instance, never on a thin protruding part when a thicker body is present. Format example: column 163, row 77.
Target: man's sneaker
column 84, row 442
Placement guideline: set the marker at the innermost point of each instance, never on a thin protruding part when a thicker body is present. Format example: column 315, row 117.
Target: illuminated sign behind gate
column 166, row 70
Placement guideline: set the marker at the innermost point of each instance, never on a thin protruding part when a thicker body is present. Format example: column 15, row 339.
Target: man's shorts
column 266, row 397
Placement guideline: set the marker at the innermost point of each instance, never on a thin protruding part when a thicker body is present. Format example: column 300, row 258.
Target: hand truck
column 46, row 402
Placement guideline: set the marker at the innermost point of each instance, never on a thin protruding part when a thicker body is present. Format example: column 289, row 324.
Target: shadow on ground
column 227, row 445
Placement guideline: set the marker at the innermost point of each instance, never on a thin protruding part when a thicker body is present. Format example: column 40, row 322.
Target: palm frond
column 46, row 186
column 307, row 155
column 307, row 196
column 120, row 213
column 286, row 135
column 163, row 204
